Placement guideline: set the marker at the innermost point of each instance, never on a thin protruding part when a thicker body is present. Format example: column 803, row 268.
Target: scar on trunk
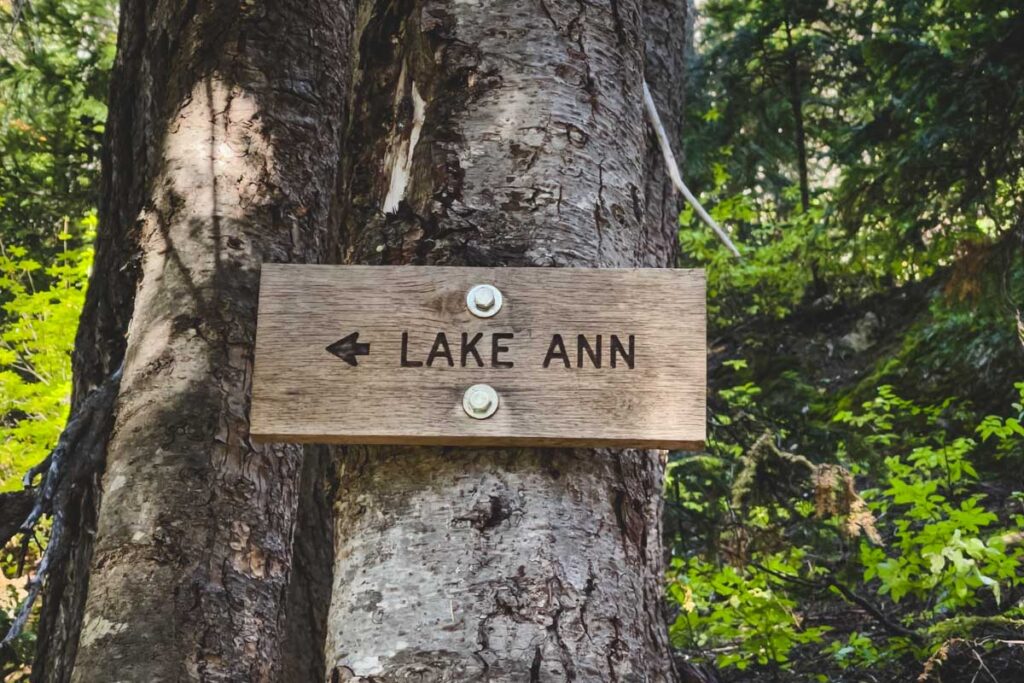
column 400, row 151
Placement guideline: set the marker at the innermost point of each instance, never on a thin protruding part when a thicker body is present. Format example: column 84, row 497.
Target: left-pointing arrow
column 347, row 348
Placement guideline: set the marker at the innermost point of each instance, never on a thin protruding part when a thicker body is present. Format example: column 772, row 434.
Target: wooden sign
column 424, row 355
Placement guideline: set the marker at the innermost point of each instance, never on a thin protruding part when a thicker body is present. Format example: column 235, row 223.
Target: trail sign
column 480, row 356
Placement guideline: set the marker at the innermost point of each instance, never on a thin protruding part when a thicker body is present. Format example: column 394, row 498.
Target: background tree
column 853, row 514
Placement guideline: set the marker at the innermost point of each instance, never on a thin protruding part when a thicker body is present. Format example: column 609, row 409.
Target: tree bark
column 309, row 590
column 222, row 147
column 504, row 133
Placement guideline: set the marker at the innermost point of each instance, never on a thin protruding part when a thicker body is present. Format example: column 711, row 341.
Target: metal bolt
column 484, row 298
column 483, row 301
column 480, row 401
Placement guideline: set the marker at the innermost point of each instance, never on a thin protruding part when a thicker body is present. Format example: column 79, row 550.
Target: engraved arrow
column 347, row 348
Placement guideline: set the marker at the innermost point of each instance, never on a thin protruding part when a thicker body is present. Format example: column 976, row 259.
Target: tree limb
column 77, row 456
column 677, row 179
column 889, row 625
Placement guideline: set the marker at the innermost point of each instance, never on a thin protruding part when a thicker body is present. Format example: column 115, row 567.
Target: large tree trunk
column 222, row 151
column 504, row 132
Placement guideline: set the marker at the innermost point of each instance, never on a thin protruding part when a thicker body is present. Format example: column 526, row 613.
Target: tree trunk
column 309, row 591
column 222, row 149
column 797, row 105
column 505, row 132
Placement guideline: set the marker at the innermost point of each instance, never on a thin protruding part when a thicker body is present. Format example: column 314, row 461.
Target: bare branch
column 677, row 179
column 889, row 625
column 77, row 455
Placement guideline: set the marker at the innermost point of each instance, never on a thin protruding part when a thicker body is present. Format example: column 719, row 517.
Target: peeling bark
column 223, row 140
column 505, row 565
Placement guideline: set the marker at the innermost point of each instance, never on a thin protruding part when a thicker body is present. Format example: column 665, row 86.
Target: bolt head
column 483, row 297
column 483, row 301
column 479, row 401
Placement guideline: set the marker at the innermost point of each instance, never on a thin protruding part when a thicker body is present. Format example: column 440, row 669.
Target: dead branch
column 78, row 455
column 673, row 172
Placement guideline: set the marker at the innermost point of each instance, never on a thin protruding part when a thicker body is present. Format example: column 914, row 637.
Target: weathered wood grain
column 303, row 393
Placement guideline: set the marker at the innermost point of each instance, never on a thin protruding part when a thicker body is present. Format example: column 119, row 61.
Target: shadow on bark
column 291, row 58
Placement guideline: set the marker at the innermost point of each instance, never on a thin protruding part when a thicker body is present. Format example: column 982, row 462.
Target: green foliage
column 857, row 651
column 54, row 68
column 747, row 617
column 930, row 150
column 36, row 340
column 867, row 160
column 924, row 544
column 1006, row 432
column 851, row 147
column 943, row 550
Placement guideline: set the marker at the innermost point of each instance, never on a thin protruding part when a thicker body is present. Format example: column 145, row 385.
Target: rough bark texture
column 504, row 132
column 222, row 148
column 309, row 591
column 501, row 132
column 14, row 508
column 668, row 36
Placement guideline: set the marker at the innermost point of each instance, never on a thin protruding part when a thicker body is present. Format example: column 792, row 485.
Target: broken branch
column 677, row 179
